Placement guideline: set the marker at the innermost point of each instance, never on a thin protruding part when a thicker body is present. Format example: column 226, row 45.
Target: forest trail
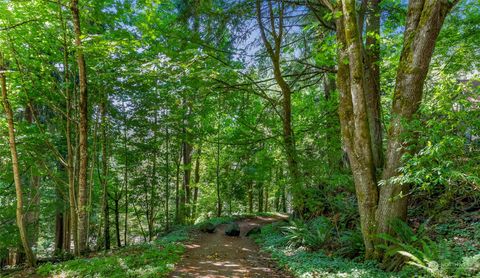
column 217, row 255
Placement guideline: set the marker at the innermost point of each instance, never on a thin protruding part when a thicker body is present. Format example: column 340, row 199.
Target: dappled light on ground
column 217, row 255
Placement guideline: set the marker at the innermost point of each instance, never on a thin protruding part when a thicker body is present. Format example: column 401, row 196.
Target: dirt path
column 217, row 255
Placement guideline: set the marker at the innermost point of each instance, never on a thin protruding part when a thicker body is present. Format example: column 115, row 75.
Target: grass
column 155, row 259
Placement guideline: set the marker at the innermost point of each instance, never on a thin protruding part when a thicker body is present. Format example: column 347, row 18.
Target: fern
column 415, row 247
column 312, row 235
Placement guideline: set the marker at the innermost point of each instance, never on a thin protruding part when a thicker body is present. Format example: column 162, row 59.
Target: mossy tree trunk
column 358, row 83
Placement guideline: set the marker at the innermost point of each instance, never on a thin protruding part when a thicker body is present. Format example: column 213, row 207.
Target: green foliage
column 312, row 234
column 156, row 259
column 438, row 259
column 351, row 244
column 303, row 263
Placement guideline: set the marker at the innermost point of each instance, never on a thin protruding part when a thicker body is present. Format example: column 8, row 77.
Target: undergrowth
column 155, row 259
column 424, row 257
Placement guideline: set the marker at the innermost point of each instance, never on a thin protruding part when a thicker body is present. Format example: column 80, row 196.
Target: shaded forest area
column 125, row 124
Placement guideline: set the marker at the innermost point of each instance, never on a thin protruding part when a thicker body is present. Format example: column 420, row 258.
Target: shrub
column 438, row 259
column 351, row 244
column 312, row 235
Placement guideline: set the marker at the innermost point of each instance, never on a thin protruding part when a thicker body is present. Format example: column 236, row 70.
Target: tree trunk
column 104, row 179
column 83, row 132
column 15, row 167
column 66, row 231
column 32, row 215
column 167, row 179
column 266, row 198
column 217, row 171
column 354, row 121
column 153, row 185
column 197, row 181
column 178, row 212
column 125, row 181
column 250, row 196
column 59, row 233
column 355, row 81
column 274, row 51
column 72, row 219
column 372, row 81
column 424, row 21
column 187, row 171
column 260, row 197
column 117, row 221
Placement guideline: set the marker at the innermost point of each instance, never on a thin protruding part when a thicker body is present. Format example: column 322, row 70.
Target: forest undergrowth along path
column 217, row 255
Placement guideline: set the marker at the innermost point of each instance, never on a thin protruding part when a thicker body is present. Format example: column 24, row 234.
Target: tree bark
column 59, row 232
column 355, row 125
column 358, row 83
column 31, row 260
column 83, row 132
column 178, row 211
column 424, row 21
column 260, row 196
column 153, row 185
column 66, row 231
column 117, row 220
column 250, row 196
column 196, row 181
column 104, row 180
column 372, row 81
column 187, row 171
column 217, row 171
column 167, row 179
column 125, row 179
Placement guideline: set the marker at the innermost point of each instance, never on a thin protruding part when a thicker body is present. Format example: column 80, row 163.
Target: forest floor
column 217, row 255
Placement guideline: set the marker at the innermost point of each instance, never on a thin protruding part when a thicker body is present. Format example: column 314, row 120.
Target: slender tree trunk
column 219, row 201
column 196, row 181
column 66, row 231
column 167, row 179
column 260, row 196
column 250, row 196
column 59, row 232
column 178, row 212
column 91, row 171
column 72, row 218
column 274, row 50
column 83, row 132
column 15, row 167
column 32, row 215
column 187, row 164
column 117, row 220
column 125, row 182
column 266, row 198
column 104, row 180
column 153, row 197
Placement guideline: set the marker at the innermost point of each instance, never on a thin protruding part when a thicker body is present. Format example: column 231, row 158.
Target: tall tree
column 424, row 21
column 15, row 165
column 83, row 133
column 104, row 178
column 274, row 50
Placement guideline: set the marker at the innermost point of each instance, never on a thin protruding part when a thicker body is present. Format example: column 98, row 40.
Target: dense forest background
column 123, row 119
